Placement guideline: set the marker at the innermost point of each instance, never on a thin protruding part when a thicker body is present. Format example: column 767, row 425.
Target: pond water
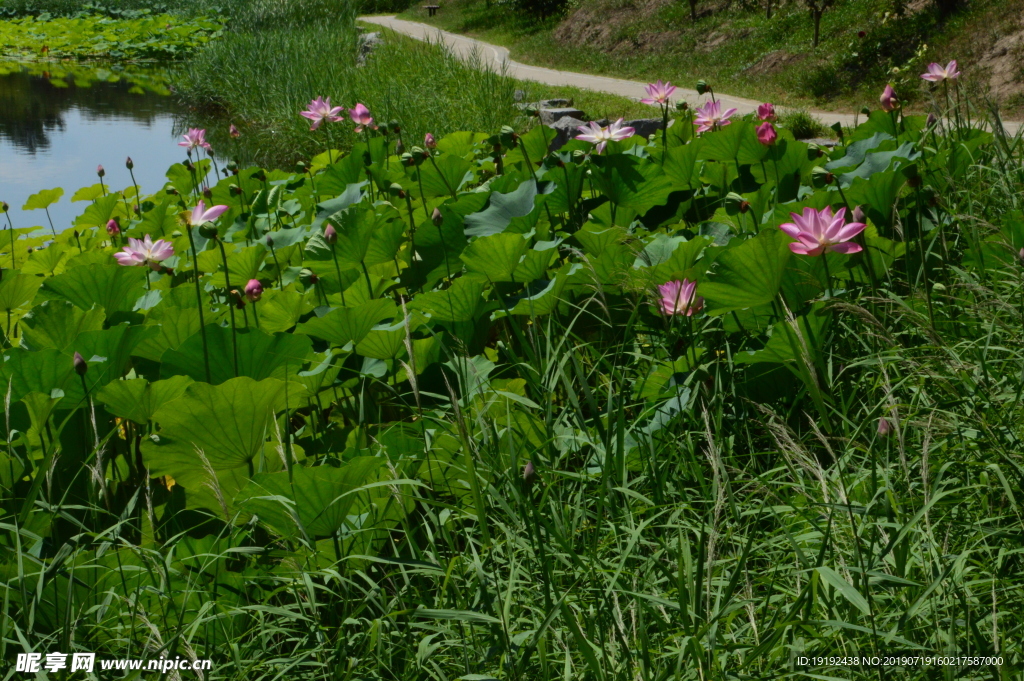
column 58, row 122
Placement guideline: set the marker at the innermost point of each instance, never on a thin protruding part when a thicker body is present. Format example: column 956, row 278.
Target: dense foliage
column 423, row 416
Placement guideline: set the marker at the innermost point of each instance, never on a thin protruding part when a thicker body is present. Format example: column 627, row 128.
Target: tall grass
column 276, row 59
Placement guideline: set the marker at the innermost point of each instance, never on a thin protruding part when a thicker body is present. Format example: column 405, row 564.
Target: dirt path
column 498, row 55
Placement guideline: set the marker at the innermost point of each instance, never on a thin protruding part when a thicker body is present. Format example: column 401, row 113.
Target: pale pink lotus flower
column 817, row 232
column 888, row 99
column 711, row 116
column 884, row 427
column 361, row 117
column 233, row 131
column 201, row 214
column 658, row 93
column 112, row 227
column 193, row 139
column 253, row 290
column 145, row 252
column 677, row 297
column 766, row 134
column 936, row 73
column 320, row 110
column 595, row 134
column 766, row 112
column 429, row 142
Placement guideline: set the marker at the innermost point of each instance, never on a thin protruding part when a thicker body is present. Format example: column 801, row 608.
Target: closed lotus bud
column 529, row 474
column 112, row 227
column 80, row 366
column 4, row 205
column 128, row 163
column 436, row 217
column 330, row 235
column 233, row 131
column 208, row 193
column 235, row 190
column 208, row 231
column 884, row 427
column 1020, row 256
column 702, row 87
column 932, row 120
column 681, row 105
column 254, row 290
column 100, row 171
column 429, row 142
column 395, row 127
column 858, row 215
column 270, row 242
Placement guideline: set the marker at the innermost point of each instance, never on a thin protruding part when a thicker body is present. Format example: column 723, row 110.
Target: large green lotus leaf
column 260, row 355
column 386, row 341
column 17, row 290
column 112, row 287
column 668, row 256
column 320, row 498
column 503, row 208
column 880, row 160
column 49, row 261
column 735, row 142
column 355, row 227
column 682, row 166
column 322, row 375
column 100, row 211
column 459, row 303
column 243, row 265
column 349, row 324
column 631, row 181
column 856, row 152
column 387, row 240
column 160, row 220
column 347, row 197
column 57, row 323
column 536, row 261
column 451, row 171
column 42, row 371
column 229, row 423
column 569, row 180
column 877, row 196
column 109, row 351
column 749, row 274
column 43, row 199
column 542, row 296
column 137, row 399
column 461, row 143
column 176, row 325
column 280, row 310
column 496, row 256
column 787, row 343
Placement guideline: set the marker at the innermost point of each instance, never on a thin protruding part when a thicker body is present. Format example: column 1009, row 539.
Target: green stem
column 231, row 306
column 443, row 178
column 199, row 300
column 341, row 283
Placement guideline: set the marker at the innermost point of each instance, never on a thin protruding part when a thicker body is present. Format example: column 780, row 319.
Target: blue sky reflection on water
column 53, row 136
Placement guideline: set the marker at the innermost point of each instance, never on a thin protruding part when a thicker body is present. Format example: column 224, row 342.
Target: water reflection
column 59, row 121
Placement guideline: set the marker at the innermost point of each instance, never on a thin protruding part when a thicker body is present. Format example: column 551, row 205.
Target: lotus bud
column 208, row 193
column 234, row 190
column 932, row 120
column 888, row 100
column 80, row 366
column 858, row 215
column 129, row 164
column 112, row 227
column 681, row 105
column 208, row 231
column 4, row 205
column 744, row 206
column 237, row 297
column 1020, row 256
column 436, row 217
column 529, row 474
column 395, row 127
column 532, row 111
column 254, row 290
column 270, row 242
column 884, row 427
column 330, row 235
column 429, row 142
column 865, row 110
column 233, row 131
column 100, row 171
column 734, row 199
column 307, row 277
column 702, row 87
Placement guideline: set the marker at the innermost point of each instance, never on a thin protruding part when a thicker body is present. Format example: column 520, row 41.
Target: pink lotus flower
column 884, row 427
column 254, row 290
column 766, row 112
column 677, row 297
column 320, row 110
column 361, row 117
column 817, row 232
column 112, row 227
column 194, row 138
column 429, row 142
column 233, row 131
column 888, row 99
column 937, row 74
column 201, row 215
column 145, row 252
column 100, row 171
column 766, row 134
column 658, row 93
column 595, row 134
column 711, row 116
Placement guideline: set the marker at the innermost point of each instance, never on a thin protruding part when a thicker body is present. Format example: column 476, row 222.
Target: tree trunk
column 817, row 25
column 768, row 13
column 693, row 11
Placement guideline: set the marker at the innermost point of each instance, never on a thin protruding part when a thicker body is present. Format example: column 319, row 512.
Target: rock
column 368, row 42
column 565, row 130
column 554, row 103
column 549, row 116
column 519, row 95
column 821, row 142
column 645, row 127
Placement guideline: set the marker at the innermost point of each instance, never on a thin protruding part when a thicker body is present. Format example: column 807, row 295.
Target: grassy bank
column 739, row 50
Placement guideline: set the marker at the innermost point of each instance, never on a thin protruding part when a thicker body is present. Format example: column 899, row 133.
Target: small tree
column 818, row 8
column 693, row 11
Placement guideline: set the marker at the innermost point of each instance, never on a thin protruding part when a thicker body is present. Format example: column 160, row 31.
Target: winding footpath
column 499, row 57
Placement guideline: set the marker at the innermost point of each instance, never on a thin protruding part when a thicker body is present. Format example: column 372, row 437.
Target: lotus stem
column 231, row 306
column 199, row 299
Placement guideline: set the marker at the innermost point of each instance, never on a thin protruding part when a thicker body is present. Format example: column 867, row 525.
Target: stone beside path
column 499, row 56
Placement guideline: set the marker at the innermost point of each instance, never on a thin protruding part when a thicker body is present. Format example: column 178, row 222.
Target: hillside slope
column 863, row 44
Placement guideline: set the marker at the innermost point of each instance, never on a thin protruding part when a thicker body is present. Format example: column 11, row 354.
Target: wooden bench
column 431, row 9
